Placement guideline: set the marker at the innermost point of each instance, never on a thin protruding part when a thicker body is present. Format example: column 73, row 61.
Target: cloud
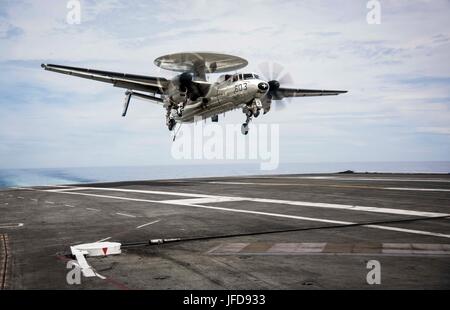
column 434, row 130
column 397, row 75
column 8, row 31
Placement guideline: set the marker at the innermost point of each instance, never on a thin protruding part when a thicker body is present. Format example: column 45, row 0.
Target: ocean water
column 58, row 176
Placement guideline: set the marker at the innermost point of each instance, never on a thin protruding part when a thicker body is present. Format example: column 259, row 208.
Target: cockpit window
column 248, row 76
column 245, row 76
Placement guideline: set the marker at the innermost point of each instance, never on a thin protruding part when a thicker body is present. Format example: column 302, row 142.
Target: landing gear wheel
column 256, row 114
column 171, row 124
column 244, row 129
column 249, row 113
column 204, row 103
column 180, row 111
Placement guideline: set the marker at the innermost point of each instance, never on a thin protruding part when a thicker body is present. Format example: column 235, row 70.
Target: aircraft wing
column 296, row 92
column 124, row 80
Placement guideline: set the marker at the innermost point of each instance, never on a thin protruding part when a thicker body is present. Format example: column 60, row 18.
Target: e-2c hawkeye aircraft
column 189, row 95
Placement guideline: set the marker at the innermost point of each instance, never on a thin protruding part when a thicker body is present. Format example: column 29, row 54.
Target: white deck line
column 183, row 203
column 103, row 239
column 364, row 179
column 213, row 198
column 295, row 184
column 125, row 190
column 412, row 231
column 351, row 208
column 124, row 214
column 11, row 225
column 66, row 189
column 418, row 189
column 154, row 222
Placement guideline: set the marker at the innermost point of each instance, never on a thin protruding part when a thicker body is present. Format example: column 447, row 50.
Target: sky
column 397, row 74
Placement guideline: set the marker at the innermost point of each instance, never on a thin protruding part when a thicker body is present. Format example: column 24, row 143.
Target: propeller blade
column 265, row 70
column 277, row 69
column 286, row 79
column 276, row 76
column 280, row 105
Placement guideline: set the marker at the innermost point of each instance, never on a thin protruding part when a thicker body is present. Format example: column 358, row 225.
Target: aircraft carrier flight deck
column 320, row 231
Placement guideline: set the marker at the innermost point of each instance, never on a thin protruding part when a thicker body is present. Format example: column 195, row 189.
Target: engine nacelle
column 183, row 83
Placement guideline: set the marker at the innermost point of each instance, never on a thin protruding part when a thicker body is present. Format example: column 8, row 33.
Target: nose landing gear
column 250, row 111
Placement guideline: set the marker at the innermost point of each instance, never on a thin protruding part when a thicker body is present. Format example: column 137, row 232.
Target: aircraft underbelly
column 213, row 108
column 223, row 100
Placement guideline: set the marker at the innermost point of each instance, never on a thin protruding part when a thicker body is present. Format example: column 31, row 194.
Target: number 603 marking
column 240, row 87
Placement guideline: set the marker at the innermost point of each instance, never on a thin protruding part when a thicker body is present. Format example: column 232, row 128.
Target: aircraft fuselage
column 224, row 96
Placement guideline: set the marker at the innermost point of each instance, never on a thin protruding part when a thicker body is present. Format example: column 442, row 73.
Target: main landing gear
column 252, row 110
column 170, row 121
column 180, row 108
column 244, row 127
column 177, row 108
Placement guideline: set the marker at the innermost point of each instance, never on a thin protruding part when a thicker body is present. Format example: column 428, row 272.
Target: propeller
column 276, row 76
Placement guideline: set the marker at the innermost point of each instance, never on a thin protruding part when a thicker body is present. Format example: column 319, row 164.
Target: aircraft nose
column 263, row 86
